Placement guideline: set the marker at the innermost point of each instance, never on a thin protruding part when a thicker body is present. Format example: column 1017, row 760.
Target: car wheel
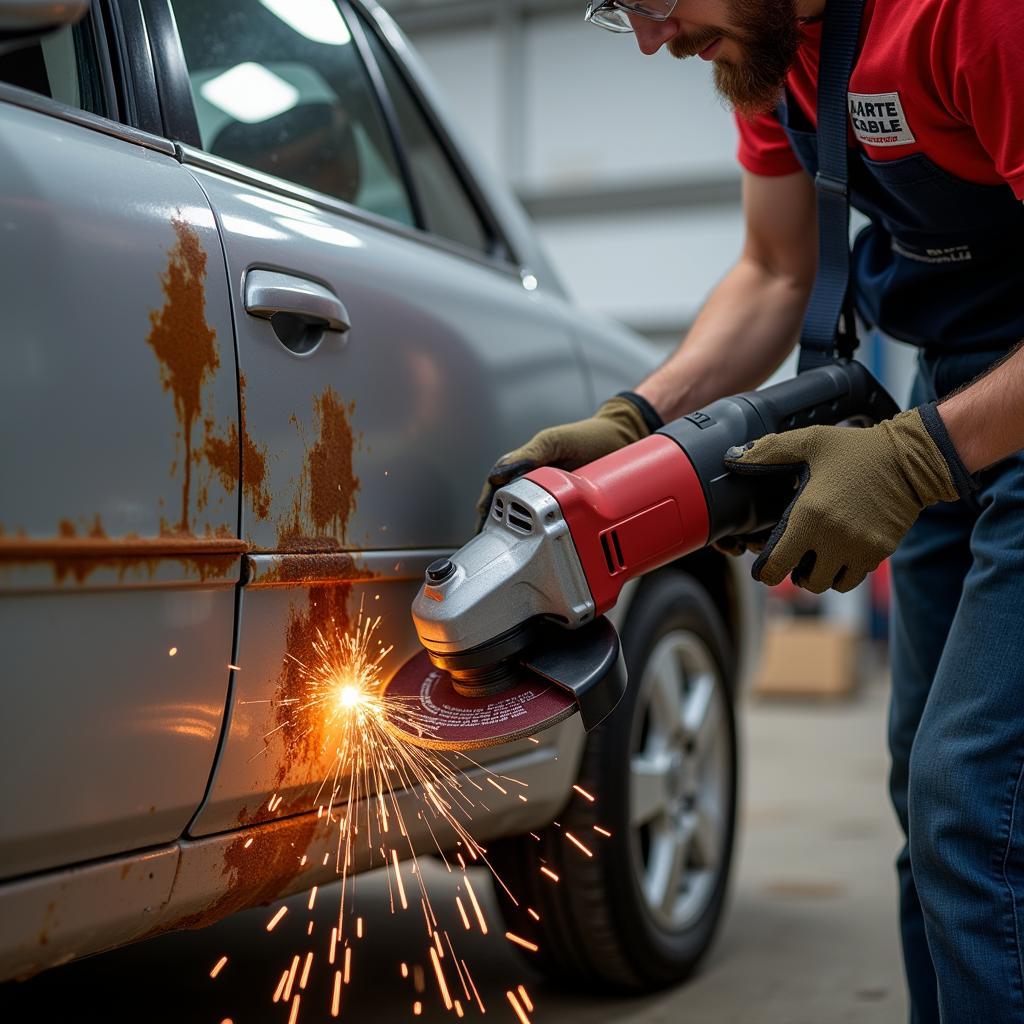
column 642, row 909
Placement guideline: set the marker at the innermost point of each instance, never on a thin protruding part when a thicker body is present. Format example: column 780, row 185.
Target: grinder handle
column 840, row 392
column 836, row 393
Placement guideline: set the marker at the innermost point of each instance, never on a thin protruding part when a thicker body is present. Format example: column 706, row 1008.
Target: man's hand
column 620, row 421
column 860, row 491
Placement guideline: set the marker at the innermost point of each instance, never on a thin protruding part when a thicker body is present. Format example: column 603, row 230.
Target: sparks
column 172, row 652
column 218, row 966
column 336, row 997
column 476, row 906
column 583, row 793
column 441, row 983
column 367, row 798
column 279, row 991
column 291, row 978
column 572, row 839
column 462, row 913
column 547, row 871
column 305, row 970
column 517, row 1006
column 398, row 877
column 349, row 696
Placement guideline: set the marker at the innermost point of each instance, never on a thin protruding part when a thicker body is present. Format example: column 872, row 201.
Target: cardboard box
column 807, row 658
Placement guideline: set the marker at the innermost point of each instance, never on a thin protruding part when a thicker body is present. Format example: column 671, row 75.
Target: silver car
column 266, row 324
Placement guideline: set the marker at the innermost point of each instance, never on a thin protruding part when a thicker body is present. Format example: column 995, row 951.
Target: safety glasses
column 612, row 14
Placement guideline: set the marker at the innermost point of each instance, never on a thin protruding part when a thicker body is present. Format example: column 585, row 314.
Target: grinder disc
column 426, row 710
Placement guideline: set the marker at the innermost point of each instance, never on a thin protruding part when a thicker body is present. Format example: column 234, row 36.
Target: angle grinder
column 513, row 623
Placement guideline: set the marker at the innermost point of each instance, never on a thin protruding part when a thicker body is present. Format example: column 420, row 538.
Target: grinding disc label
column 437, row 715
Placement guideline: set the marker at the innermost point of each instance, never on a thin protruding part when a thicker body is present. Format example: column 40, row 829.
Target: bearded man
column 935, row 156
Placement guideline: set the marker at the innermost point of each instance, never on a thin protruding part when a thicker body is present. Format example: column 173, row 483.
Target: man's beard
column 767, row 32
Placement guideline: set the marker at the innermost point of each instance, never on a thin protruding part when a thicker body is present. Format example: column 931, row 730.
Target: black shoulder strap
column 829, row 323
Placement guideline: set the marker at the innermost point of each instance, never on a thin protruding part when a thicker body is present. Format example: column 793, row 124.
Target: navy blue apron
column 940, row 264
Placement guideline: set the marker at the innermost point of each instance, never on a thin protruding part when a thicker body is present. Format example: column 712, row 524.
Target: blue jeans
column 956, row 735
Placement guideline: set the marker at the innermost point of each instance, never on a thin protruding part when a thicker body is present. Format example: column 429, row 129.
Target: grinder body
column 526, row 596
column 671, row 494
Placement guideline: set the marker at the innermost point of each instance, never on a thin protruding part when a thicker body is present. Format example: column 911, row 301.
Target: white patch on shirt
column 878, row 119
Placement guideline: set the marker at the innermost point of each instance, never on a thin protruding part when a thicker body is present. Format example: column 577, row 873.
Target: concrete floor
column 810, row 936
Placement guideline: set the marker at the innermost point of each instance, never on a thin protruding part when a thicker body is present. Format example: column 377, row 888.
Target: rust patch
column 332, row 483
column 325, row 498
column 303, row 733
column 183, row 341
column 307, row 569
column 257, row 873
column 222, row 455
column 77, row 555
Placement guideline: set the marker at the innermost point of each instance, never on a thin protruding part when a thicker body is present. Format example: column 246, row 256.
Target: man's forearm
column 985, row 420
column 747, row 327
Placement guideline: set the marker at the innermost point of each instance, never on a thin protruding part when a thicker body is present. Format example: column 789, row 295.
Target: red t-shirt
column 939, row 77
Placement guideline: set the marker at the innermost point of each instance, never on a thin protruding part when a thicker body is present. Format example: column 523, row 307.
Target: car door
column 388, row 352
column 119, row 544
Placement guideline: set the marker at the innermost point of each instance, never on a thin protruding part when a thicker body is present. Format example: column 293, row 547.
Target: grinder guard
column 586, row 662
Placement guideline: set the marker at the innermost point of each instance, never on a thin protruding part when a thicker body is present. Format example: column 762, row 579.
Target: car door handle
column 299, row 310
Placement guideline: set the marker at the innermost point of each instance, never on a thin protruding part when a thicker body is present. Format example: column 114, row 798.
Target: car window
column 447, row 208
column 62, row 65
column 279, row 86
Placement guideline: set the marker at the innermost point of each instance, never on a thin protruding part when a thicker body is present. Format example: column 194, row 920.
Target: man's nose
column 651, row 35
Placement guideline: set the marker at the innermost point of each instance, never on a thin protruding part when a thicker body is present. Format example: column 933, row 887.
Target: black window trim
column 137, row 76
column 100, row 39
column 388, row 113
column 500, row 249
column 177, row 108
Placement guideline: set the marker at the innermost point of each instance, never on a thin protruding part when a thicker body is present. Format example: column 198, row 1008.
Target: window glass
column 62, row 65
column 447, row 208
column 278, row 86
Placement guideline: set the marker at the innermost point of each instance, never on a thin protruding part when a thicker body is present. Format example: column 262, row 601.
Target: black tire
column 596, row 925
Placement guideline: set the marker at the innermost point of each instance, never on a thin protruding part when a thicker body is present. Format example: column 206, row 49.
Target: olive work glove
column 620, row 421
column 859, row 490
